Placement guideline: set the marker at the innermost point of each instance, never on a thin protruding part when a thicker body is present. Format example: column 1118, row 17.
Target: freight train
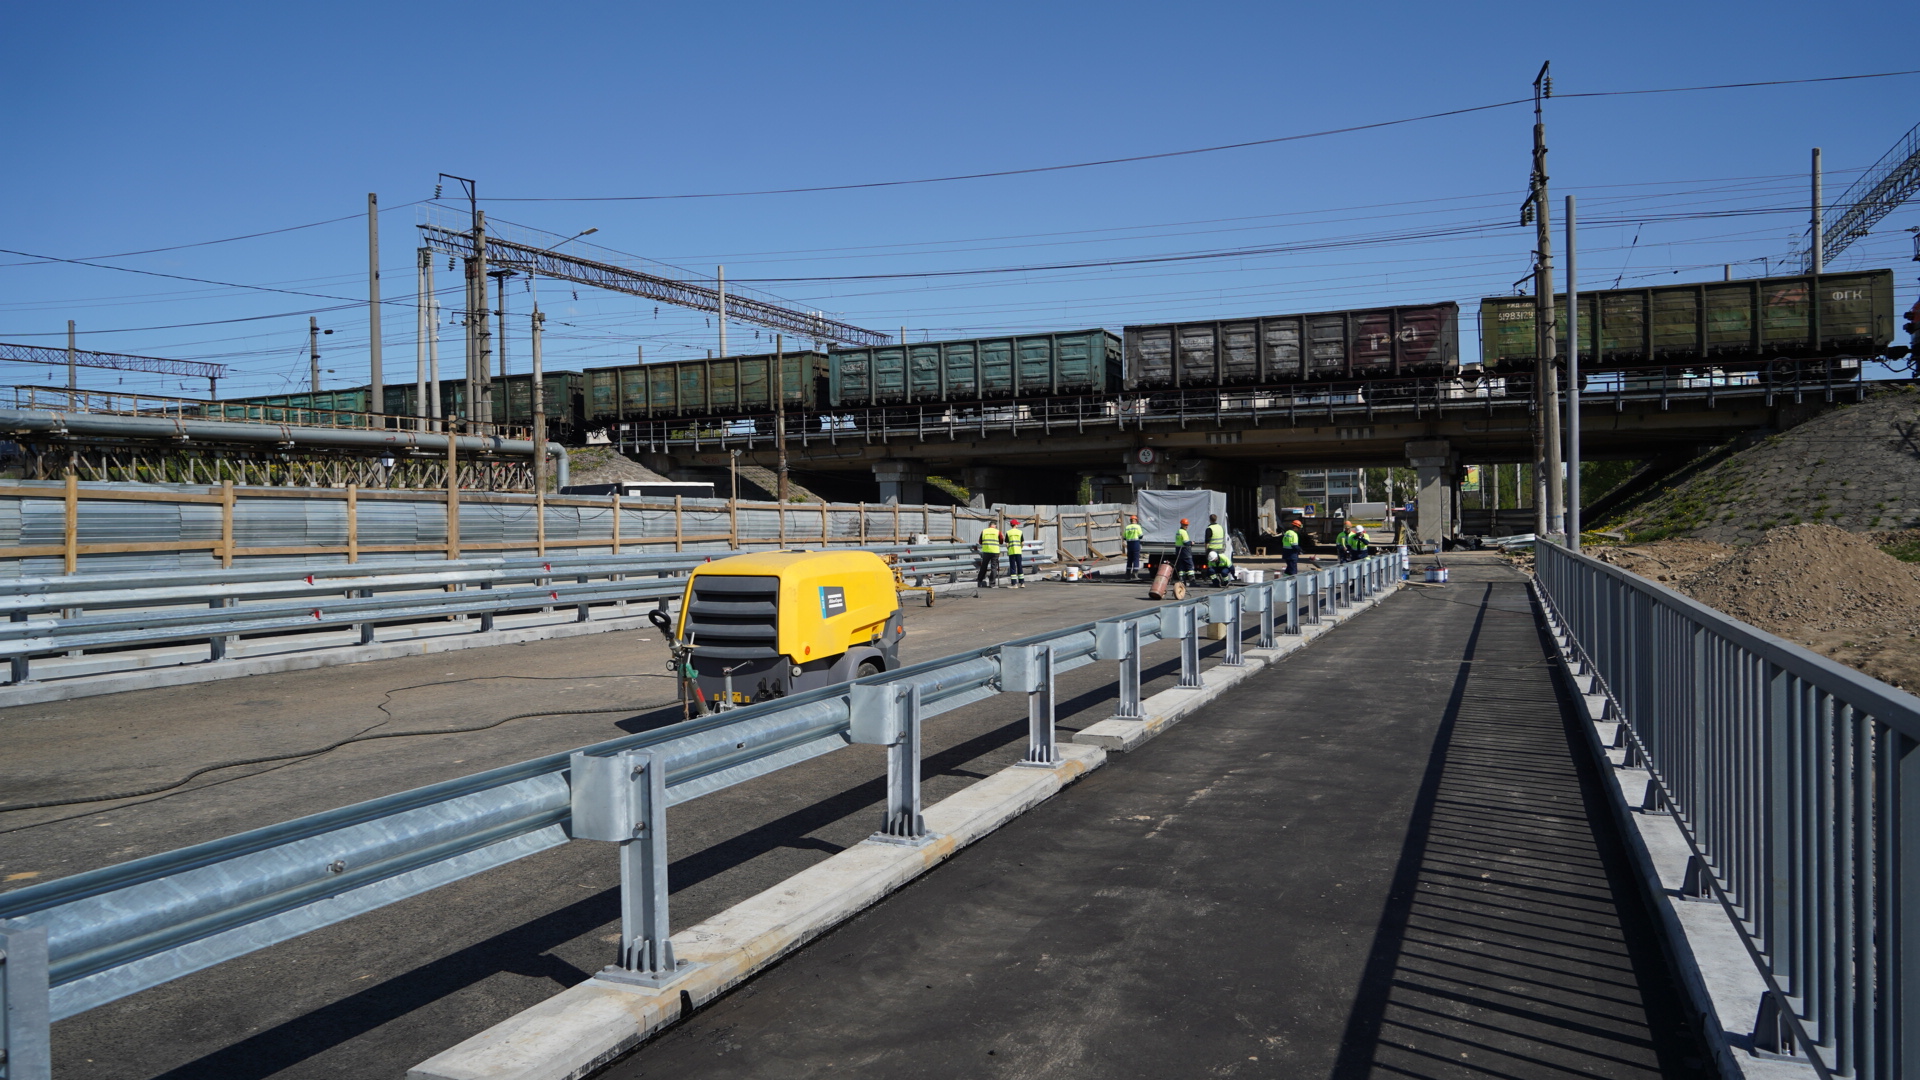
column 1782, row 327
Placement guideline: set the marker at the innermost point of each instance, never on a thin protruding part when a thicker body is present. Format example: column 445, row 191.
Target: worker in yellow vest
column 989, row 559
column 1217, row 553
column 1290, row 546
column 1183, row 552
column 1132, row 533
column 1016, row 553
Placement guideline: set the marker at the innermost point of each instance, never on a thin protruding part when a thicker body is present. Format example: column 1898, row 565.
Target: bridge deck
column 1386, row 856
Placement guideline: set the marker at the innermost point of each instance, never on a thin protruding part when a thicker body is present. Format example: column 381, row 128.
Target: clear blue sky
column 134, row 126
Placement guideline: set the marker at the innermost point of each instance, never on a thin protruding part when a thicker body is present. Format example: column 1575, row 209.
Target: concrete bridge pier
column 901, row 481
column 1436, row 463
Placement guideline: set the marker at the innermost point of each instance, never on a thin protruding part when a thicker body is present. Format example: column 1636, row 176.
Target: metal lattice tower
column 508, row 255
column 1892, row 180
column 52, row 357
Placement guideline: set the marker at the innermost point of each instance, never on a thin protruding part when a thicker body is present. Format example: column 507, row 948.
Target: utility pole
column 431, row 403
column 539, row 412
column 73, row 365
column 313, row 356
column 1819, row 246
column 483, row 332
column 721, row 273
column 1573, row 389
column 500, row 308
column 379, row 389
column 423, row 267
column 1550, row 510
column 780, row 408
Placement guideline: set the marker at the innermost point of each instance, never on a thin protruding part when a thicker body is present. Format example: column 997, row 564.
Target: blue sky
column 143, row 126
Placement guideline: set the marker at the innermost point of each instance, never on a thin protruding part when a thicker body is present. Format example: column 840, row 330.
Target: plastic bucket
column 1253, row 577
column 1071, row 573
column 1437, row 575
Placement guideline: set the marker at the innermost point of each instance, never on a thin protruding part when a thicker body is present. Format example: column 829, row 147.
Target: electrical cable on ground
column 362, row 736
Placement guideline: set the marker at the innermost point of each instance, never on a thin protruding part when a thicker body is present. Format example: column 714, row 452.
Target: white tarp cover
column 1161, row 511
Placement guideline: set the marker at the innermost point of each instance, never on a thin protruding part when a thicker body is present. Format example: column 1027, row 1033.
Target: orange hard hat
column 1184, row 521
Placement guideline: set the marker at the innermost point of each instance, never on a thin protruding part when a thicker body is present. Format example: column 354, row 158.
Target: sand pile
column 1829, row 589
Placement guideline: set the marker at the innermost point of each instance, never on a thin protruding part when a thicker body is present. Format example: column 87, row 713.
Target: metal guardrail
column 118, row 611
column 1797, row 784
column 78, row 942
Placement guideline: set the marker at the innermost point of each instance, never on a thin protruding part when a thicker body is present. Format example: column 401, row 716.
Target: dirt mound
column 605, row 465
column 1668, row 561
column 1828, row 589
column 1856, row 467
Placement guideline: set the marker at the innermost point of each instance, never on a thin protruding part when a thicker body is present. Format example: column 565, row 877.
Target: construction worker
column 1216, row 546
column 1132, row 534
column 1183, row 552
column 1357, row 543
column 1016, row 552
column 989, row 558
column 1290, row 546
column 1220, row 567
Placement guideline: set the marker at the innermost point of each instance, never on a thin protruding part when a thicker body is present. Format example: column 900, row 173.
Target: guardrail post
column 580, row 613
column 26, row 1051
column 1042, row 751
column 898, row 720
column 1290, row 593
column 1226, row 610
column 366, row 628
column 1316, row 588
column 1263, row 604
column 22, row 664
column 486, row 618
column 1121, row 641
column 622, row 798
column 216, row 645
column 1190, row 646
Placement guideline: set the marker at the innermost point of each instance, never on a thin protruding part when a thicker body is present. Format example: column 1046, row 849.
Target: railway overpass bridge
column 1239, row 440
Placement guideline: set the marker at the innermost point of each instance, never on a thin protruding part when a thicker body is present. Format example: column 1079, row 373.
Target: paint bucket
column 1071, row 573
column 1436, row 575
column 1254, row 577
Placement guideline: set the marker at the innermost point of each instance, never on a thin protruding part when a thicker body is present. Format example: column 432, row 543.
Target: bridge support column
column 1435, row 462
column 985, row 484
column 901, row 481
column 1273, row 487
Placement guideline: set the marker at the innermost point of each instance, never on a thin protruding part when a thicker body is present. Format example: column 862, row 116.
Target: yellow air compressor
column 761, row 626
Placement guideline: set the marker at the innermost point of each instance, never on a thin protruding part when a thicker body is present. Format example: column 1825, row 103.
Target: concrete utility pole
column 431, row 403
column 780, row 409
column 423, row 267
column 483, row 333
column 500, row 309
column 1819, row 245
column 1550, row 511
column 73, row 364
column 1573, row 389
column 539, row 407
column 721, row 275
column 379, row 388
column 313, row 353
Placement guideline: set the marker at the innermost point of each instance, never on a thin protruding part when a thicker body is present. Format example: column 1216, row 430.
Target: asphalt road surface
column 379, row 993
column 1387, row 856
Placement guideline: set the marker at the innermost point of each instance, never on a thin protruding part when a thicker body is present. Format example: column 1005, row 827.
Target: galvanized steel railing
column 69, row 945
column 58, row 615
column 1797, row 783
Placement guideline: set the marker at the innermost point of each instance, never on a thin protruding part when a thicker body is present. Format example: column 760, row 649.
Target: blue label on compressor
column 833, row 601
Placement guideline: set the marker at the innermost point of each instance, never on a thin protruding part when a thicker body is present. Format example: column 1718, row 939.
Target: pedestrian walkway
column 1386, row 858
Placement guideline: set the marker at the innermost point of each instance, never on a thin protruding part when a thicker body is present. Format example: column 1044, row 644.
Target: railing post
column 1266, row 602
column 580, row 612
column 1042, row 750
column 486, row 617
column 902, row 823
column 26, row 1049
column 1316, row 588
column 1903, row 867
column 1225, row 609
column 1190, row 646
column 22, row 664
column 1125, row 643
column 216, row 645
column 366, row 628
column 623, row 798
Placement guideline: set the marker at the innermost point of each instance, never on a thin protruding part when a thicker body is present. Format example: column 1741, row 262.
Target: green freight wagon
column 328, row 408
column 512, row 400
column 732, row 385
column 1722, row 323
column 1418, row 339
column 976, row 369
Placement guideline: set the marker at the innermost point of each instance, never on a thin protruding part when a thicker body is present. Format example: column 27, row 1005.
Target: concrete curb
column 587, row 1026
column 1708, row 955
